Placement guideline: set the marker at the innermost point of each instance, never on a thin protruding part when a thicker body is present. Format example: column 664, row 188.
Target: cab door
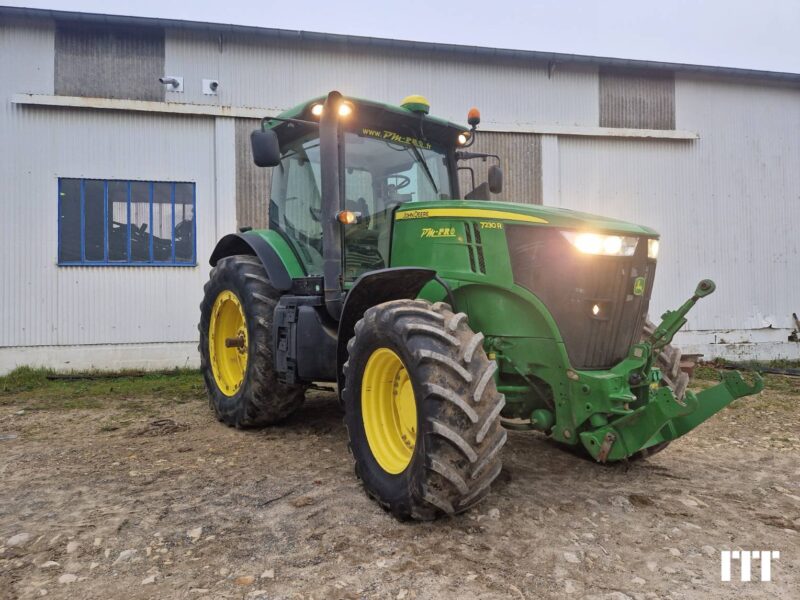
column 295, row 207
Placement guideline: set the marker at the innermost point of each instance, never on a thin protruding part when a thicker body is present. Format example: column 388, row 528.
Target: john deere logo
column 638, row 286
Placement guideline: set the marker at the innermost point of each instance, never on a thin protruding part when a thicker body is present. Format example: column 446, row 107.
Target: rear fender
column 253, row 244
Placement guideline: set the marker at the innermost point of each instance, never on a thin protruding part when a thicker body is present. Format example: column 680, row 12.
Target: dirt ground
column 150, row 497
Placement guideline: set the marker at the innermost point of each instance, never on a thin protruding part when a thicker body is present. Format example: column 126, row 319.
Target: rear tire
column 455, row 452
column 259, row 399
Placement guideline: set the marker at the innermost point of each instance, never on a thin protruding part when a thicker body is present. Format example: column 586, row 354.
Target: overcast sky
column 754, row 34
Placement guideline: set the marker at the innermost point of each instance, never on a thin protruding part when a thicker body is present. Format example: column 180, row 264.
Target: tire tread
column 262, row 400
column 462, row 434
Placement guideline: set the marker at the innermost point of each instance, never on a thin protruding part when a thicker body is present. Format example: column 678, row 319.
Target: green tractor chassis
column 614, row 412
column 443, row 319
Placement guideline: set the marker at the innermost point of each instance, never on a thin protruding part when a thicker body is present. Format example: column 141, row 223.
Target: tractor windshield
column 399, row 168
column 382, row 170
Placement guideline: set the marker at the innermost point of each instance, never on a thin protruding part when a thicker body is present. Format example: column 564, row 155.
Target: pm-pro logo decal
column 396, row 138
column 638, row 286
column 441, row 232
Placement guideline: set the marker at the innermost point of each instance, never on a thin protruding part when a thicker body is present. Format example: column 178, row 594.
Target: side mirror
column 266, row 149
column 495, row 177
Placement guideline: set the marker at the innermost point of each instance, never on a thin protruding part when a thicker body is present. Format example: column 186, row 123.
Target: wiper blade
column 419, row 157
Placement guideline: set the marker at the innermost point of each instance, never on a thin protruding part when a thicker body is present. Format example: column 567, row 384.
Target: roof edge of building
column 394, row 44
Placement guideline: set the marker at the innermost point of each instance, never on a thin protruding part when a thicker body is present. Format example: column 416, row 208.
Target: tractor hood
column 524, row 213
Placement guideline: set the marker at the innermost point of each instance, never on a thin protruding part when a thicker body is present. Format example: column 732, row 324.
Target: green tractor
column 443, row 321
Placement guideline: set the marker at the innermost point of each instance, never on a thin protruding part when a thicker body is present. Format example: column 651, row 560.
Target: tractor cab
column 387, row 156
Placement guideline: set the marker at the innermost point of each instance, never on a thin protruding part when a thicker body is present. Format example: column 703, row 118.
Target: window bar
column 194, row 223
column 60, row 210
column 83, row 222
column 128, row 239
column 172, row 198
column 150, row 226
column 105, row 221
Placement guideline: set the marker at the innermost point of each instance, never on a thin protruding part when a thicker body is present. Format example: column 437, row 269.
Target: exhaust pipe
column 332, row 193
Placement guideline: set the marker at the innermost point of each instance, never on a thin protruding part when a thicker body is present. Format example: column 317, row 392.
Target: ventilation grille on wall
column 104, row 61
column 638, row 99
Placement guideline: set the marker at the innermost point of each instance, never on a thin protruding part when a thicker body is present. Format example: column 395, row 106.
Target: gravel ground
column 150, row 498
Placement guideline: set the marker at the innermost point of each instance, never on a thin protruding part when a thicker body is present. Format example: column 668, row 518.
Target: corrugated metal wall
column 521, row 160
column 252, row 182
column 93, row 305
column 25, row 306
column 263, row 73
column 638, row 99
column 109, row 62
column 727, row 205
column 43, row 304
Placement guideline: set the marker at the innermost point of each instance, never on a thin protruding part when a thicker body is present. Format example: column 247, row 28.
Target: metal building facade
column 726, row 206
column 708, row 158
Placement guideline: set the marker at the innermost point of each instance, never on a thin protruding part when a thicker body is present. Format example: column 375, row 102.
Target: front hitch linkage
column 664, row 417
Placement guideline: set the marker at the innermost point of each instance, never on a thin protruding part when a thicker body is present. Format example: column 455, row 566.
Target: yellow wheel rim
column 389, row 411
column 227, row 343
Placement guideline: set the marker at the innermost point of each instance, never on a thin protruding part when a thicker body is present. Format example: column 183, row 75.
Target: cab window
column 296, row 202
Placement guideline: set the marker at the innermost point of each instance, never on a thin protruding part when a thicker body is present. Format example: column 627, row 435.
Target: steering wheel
column 403, row 181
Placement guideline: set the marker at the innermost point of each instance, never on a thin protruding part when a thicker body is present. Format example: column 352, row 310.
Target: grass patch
column 707, row 373
column 783, row 384
column 45, row 389
column 704, row 372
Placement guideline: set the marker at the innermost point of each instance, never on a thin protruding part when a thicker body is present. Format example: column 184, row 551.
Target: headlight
column 345, row 109
column 606, row 245
column 652, row 249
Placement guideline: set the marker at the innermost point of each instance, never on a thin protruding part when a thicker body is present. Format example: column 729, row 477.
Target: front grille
column 570, row 284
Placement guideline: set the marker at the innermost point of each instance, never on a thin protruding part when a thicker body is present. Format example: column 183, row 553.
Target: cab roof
column 377, row 114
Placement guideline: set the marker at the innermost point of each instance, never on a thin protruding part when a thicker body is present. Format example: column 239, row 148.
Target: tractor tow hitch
column 664, row 418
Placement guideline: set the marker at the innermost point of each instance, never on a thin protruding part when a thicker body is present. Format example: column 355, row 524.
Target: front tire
column 236, row 346
column 422, row 410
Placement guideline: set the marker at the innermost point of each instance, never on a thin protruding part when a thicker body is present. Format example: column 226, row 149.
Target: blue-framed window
column 120, row 222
